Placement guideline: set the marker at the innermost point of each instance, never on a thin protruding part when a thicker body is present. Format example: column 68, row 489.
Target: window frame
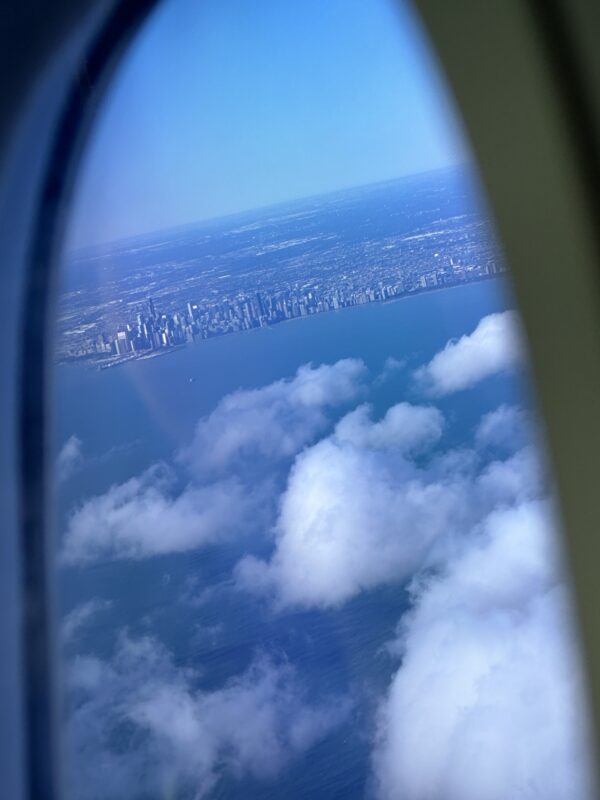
column 525, row 80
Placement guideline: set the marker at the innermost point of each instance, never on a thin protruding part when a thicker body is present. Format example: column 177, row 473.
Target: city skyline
column 157, row 332
column 286, row 262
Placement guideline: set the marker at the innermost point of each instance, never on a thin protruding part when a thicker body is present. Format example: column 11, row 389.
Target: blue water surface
column 144, row 411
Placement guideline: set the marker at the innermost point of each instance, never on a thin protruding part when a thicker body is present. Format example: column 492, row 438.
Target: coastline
column 100, row 364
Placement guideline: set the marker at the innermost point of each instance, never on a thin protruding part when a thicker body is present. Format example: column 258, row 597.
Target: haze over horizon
column 106, row 245
column 225, row 109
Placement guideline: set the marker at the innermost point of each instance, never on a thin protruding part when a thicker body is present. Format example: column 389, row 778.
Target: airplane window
column 306, row 537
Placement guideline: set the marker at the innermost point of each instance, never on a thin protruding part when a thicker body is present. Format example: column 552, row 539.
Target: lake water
column 132, row 416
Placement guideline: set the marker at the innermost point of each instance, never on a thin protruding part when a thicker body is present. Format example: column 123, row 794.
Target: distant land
column 148, row 295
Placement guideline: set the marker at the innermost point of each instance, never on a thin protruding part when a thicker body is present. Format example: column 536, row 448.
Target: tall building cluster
column 373, row 245
column 155, row 330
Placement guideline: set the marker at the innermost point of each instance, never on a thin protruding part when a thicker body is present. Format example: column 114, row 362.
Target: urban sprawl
column 155, row 297
column 153, row 331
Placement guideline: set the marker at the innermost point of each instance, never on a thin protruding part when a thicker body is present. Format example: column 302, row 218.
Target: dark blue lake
column 144, row 411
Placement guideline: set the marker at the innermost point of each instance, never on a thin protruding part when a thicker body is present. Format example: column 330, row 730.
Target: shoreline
column 100, row 365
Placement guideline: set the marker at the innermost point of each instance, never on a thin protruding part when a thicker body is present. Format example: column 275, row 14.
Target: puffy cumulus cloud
column 487, row 703
column 514, row 480
column 145, row 517
column 404, row 428
column 392, row 366
column 140, row 726
column 274, row 421
column 358, row 512
column 341, row 528
column 80, row 616
column 495, row 345
column 69, row 458
column 504, row 428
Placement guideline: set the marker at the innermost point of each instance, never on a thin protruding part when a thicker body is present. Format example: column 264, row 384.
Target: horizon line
column 82, row 251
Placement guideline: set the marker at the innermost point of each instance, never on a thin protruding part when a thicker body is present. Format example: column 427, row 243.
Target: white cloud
column 405, row 428
column 181, row 739
column 80, row 616
column 487, row 703
column 145, row 517
column 486, row 700
column 358, row 512
column 392, row 366
column 274, row 421
column 504, row 428
column 494, row 346
column 345, row 526
column 69, row 458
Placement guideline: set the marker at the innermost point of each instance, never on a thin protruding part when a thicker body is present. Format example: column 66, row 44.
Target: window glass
column 306, row 540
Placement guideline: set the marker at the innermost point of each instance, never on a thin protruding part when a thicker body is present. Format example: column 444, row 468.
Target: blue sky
column 227, row 105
